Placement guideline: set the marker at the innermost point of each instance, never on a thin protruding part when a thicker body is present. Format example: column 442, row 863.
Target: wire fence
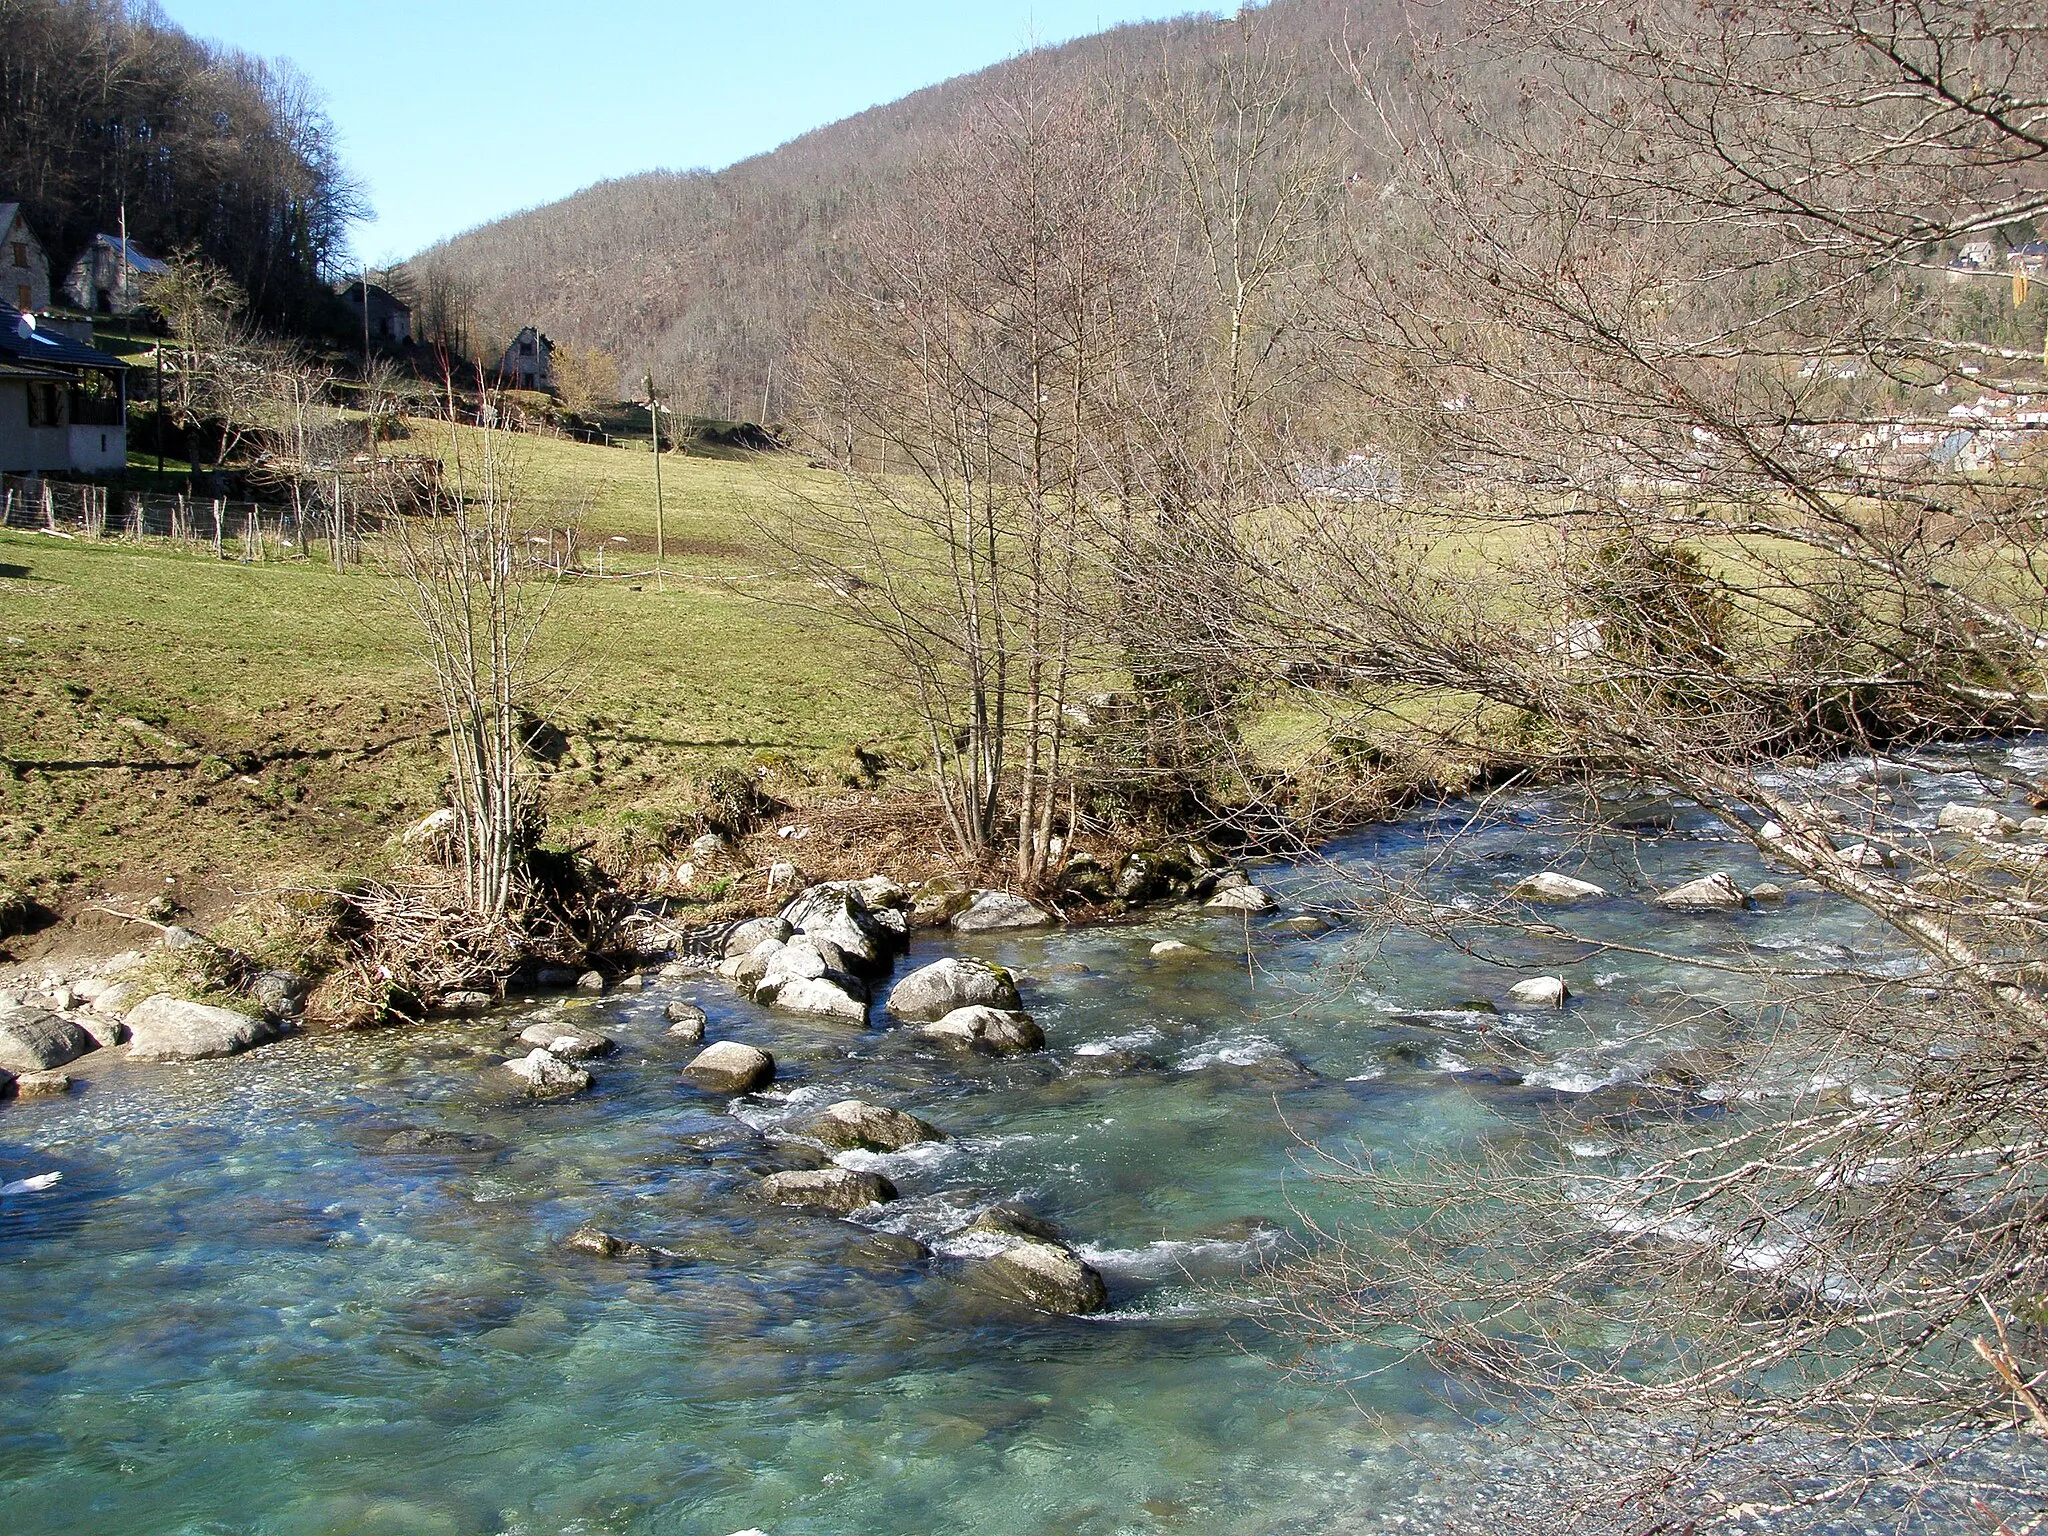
column 228, row 530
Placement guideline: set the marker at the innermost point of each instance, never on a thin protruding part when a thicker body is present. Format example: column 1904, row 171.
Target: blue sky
column 453, row 112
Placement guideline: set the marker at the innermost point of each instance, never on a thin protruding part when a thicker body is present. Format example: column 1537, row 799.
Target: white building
column 63, row 404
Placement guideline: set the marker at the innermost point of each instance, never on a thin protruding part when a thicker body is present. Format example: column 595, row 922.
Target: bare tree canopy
column 107, row 106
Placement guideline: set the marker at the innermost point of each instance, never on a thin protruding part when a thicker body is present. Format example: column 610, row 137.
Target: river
column 243, row 1310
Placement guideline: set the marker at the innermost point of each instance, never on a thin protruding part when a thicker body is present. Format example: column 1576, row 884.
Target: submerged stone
column 838, row 1190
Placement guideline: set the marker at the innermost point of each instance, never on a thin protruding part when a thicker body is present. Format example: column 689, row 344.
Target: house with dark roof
column 24, row 265
column 529, row 362
column 108, row 278
column 2030, row 260
column 390, row 317
column 63, row 404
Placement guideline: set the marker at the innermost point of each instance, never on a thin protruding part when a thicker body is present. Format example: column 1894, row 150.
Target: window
column 24, row 300
column 526, row 349
column 21, row 253
column 45, row 404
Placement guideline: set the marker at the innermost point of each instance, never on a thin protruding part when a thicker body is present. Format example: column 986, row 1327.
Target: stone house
column 63, row 404
column 390, row 316
column 24, row 265
column 529, row 362
column 107, row 279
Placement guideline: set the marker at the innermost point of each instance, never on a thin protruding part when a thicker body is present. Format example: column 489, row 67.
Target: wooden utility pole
column 660, row 530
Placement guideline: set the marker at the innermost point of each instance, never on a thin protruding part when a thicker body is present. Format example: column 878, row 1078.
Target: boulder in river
column 167, row 1028
column 547, row 1076
column 1173, row 947
column 566, row 1040
column 751, row 935
column 838, row 1190
column 590, row 981
column 1717, row 892
column 853, row 1124
column 602, row 1245
column 1012, row 1220
column 1556, row 890
column 1540, row 992
column 828, row 997
column 35, row 1040
column 1242, row 898
column 1766, row 892
column 41, row 1085
column 991, row 911
column 686, row 1021
column 464, row 1004
column 1980, row 819
column 803, row 957
column 1048, row 1276
column 729, row 1067
column 837, row 914
column 991, row 1031
column 940, row 988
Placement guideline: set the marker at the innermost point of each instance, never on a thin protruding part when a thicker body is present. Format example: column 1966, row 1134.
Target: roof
column 7, row 213
column 138, row 261
column 13, row 370
column 353, row 292
column 19, row 344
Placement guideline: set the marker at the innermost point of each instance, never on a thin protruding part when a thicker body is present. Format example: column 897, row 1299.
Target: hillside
column 704, row 277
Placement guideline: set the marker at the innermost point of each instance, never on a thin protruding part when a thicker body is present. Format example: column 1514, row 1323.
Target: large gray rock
column 804, row 957
column 1717, row 892
column 838, row 1190
column 938, row 989
column 1048, row 1276
column 1241, row 898
column 852, row 1124
column 1556, row 890
column 994, row 910
column 750, row 935
column 829, row 997
column 991, row 1031
column 837, row 914
column 686, row 1021
column 566, row 1040
column 35, row 1040
column 729, row 1067
column 746, row 971
column 167, row 1028
column 1981, row 819
column 1541, row 992
column 546, row 1076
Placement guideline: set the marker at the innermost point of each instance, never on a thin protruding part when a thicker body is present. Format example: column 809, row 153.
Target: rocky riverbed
column 732, row 1257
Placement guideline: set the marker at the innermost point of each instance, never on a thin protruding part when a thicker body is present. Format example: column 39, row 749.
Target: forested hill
column 705, row 276
column 106, row 108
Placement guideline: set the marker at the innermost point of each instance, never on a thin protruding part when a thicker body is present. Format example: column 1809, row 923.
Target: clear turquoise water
column 238, row 1313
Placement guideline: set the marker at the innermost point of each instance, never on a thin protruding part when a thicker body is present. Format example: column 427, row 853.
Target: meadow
column 224, row 726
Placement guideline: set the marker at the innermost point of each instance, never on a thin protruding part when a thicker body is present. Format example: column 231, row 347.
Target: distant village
column 64, row 398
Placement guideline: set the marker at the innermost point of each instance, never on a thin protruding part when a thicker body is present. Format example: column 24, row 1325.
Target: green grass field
column 169, row 716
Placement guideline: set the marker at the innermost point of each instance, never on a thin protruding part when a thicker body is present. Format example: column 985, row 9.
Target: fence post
column 49, row 504
column 216, row 527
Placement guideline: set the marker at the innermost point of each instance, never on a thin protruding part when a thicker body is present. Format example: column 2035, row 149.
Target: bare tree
column 1665, row 353
column 479, row 606
column 967, row 380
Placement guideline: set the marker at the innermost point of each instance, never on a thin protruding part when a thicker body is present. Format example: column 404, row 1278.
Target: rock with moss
column 996, row 911
column 935, row 990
